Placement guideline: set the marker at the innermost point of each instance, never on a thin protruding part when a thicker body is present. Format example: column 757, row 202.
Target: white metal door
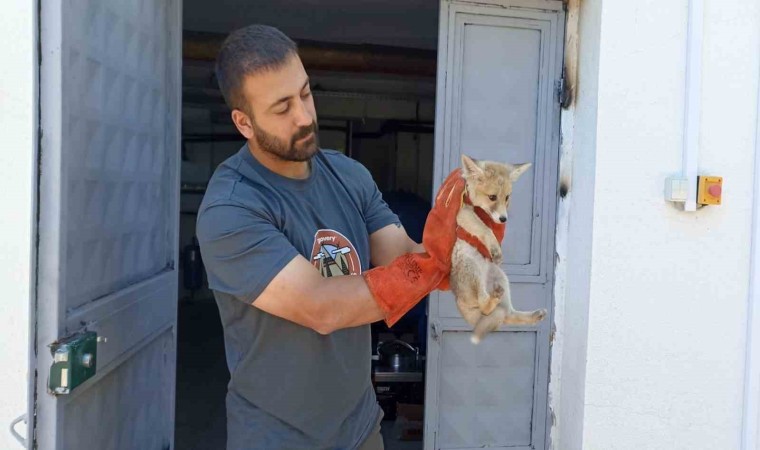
column 499, row 66
column 108, row 219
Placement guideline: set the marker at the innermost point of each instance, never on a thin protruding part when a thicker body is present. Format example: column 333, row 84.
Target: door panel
column 498, row 68
column 145, row 422
column 472, row 409
column 142, row 306
column 108, row 189
column 501, row 124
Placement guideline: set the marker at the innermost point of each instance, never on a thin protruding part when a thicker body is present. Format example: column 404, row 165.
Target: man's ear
column 518, row 170
column 470, row 168
column 243, row 123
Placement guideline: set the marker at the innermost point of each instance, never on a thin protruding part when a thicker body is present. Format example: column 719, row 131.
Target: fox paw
column 539, row 314
column 495, row 252
column 490, row 305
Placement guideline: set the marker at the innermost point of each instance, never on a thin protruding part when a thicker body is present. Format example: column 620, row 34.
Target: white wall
column 666, row 293
column 17, row 157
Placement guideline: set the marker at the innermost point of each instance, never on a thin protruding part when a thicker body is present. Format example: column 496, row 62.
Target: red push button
column 710, row 190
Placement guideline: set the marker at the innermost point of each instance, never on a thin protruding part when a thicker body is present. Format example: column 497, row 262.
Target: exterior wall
column 17, row 162
column 665, row 291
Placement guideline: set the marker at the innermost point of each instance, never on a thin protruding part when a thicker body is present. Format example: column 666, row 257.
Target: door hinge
column 563, row 93
column 435, row 330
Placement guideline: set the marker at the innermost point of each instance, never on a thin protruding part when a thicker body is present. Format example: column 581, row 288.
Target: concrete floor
column 202, row 379
column 391, row 442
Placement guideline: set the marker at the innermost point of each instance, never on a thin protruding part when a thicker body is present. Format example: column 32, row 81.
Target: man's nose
column 303, row 118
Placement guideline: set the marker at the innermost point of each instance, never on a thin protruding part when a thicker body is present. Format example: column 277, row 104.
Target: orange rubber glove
column 401, row 284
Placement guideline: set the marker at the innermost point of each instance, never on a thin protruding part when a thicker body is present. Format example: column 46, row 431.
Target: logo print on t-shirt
column 334, row 255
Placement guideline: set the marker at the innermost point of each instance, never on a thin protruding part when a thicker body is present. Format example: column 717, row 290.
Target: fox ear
column 470, row 168
column 518, row 170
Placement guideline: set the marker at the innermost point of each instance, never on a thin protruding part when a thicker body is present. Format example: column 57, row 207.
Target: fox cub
column 480, row 286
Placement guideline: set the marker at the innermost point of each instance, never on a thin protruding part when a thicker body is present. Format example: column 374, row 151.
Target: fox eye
column 492, row 198
column 507, row 198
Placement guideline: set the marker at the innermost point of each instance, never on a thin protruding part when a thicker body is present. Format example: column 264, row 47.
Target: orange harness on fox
column 498, row 229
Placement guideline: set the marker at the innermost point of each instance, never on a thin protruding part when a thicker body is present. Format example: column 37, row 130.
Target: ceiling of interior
column 403, row 23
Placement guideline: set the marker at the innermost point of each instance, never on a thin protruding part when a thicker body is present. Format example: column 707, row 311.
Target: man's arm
column 300, row 294
column 390, row 242
column 246, row 256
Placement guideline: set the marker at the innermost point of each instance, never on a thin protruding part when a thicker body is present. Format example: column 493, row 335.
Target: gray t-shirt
column 290, row 386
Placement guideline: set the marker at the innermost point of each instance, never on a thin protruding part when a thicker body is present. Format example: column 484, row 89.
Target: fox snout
column 499, row 216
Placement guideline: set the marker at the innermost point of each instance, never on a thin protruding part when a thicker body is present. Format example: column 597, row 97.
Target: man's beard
column 290, row 151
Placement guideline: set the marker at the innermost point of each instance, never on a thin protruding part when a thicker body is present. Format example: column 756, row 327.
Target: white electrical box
column 676, row 189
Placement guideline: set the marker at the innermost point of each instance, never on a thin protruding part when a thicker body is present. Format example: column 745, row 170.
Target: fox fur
column 480, row 285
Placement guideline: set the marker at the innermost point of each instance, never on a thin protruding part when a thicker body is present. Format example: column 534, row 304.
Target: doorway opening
column 372, row 70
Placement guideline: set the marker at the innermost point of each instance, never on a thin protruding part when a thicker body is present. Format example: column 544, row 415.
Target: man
column 284, row 229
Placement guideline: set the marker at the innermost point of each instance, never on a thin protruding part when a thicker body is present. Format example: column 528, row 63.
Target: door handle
column 74, row 361
column 21, row 440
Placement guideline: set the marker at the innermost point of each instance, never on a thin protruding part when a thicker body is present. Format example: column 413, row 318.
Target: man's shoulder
column 221, row 186
column 345, row 165
column 226, row 186
column 336, row 157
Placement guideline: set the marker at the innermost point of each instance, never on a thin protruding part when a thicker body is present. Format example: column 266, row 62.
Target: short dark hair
column 246, row 51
